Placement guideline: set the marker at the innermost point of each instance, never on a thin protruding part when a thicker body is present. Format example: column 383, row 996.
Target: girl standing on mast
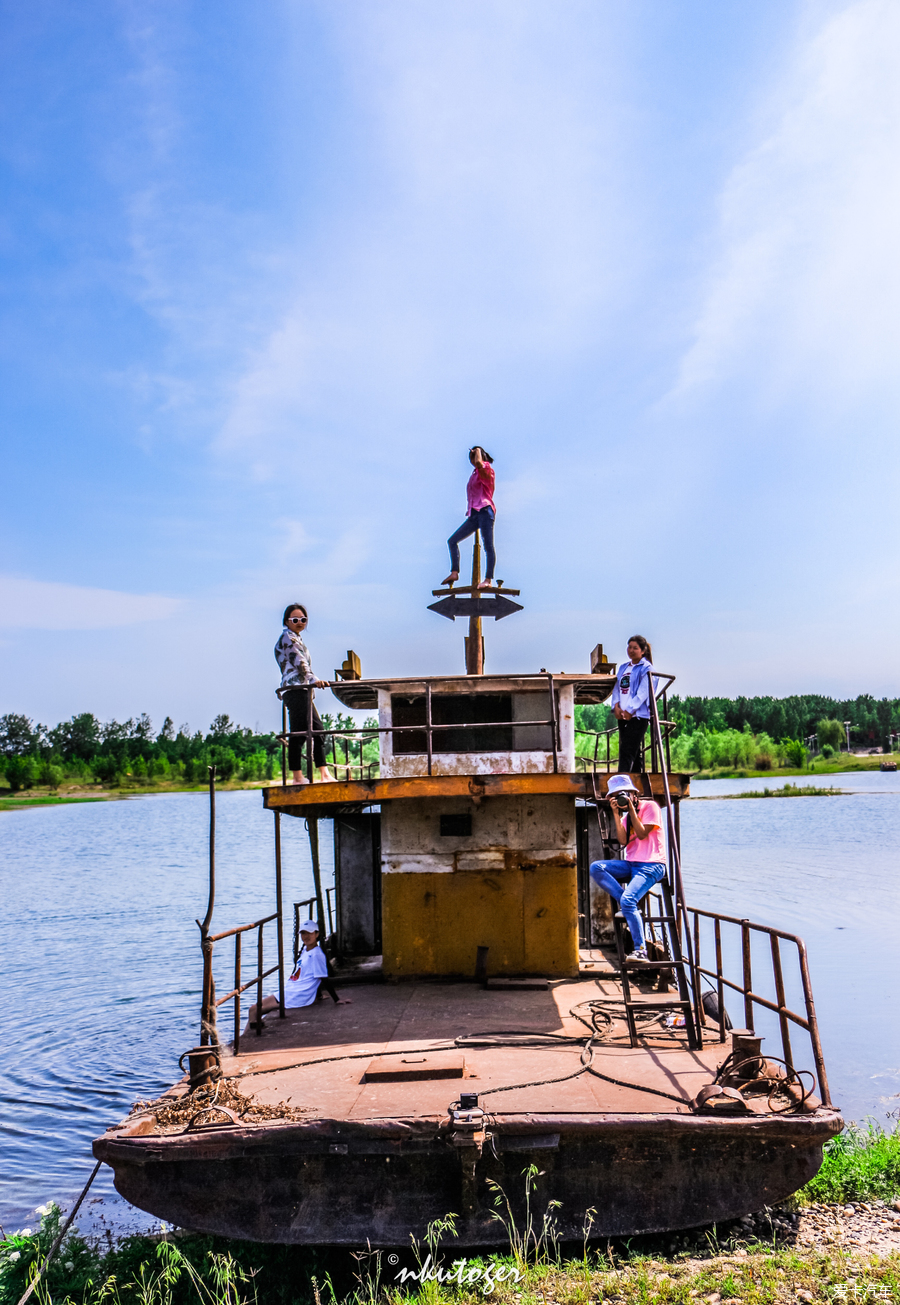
column 480, row 514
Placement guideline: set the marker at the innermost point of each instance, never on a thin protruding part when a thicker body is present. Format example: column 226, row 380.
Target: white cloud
column 44, row 605
column 486, row 232
column 805, row 294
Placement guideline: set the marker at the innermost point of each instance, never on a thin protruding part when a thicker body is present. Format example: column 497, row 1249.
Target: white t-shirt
column 303, row 984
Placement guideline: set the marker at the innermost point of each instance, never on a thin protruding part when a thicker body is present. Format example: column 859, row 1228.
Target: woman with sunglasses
column 297, row 685
column 480, row 514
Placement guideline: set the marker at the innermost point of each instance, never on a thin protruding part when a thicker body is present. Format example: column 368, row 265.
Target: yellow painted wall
column 525, row 912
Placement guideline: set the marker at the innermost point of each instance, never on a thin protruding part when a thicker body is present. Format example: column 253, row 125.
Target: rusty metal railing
column 608, row 763
column 779, row 1007
column 209, row 1036
column 426, row 727
column 657, row 746
column 241, row 987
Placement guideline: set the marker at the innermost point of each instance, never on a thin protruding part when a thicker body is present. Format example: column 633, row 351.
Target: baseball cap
column 309, row 926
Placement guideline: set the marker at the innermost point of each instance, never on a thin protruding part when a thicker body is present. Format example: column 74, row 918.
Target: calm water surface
column 101, row 963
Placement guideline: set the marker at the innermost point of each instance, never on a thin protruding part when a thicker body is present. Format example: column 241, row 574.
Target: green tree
column 831, row 734
column 18, row 735
column 21, row 772
column 78, row 737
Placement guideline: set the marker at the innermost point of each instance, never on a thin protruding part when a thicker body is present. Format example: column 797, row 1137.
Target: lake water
column 101, row 962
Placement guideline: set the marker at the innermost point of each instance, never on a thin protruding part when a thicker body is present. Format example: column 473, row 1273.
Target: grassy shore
column 795, row 1253
column 786, row 791
column 67, row 794
column 840, row 764
column 70, row 793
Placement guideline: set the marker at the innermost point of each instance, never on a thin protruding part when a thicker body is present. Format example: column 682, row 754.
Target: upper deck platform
column 305, row 798
column 362, row 695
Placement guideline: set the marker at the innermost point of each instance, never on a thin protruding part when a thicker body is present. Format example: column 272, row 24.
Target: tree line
column 760, row 733
column 88, row 750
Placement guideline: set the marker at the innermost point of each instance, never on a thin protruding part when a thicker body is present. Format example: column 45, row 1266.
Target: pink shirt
column 652, row 848
column 480, row 489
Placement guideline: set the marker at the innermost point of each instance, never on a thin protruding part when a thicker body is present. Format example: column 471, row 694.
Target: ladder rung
column 653, row 965
column 651, row 1000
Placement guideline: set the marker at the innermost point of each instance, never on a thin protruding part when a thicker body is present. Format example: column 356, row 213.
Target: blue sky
column 269, row 270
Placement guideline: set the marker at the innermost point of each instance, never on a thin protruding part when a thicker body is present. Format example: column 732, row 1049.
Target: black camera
column 621, row 801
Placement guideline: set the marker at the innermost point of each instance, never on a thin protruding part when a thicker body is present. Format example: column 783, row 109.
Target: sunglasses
column 297, row 620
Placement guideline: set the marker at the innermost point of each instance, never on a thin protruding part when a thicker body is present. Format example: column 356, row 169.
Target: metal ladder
column 657, row 1001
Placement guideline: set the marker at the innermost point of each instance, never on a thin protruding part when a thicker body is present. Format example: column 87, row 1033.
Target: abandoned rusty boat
column 496, row 1028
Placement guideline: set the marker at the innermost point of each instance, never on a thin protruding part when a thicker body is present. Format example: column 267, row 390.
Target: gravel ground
column 866, row 1226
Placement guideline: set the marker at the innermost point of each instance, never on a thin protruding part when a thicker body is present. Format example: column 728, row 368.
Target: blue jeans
column 640, row 877
column 482, row 520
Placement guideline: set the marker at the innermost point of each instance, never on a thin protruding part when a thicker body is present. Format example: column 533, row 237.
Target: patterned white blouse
column 293, row 658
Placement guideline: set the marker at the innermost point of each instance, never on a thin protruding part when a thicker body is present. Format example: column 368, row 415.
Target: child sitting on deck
column 310, row 972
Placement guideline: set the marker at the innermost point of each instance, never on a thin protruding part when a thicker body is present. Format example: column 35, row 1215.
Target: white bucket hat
column 620, row 784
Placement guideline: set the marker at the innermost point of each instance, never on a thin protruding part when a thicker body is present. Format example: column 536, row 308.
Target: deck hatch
column 415, row 1067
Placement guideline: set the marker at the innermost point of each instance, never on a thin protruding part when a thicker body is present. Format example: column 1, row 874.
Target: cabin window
column 456, row 826
column 455, row 709
column 487, row 712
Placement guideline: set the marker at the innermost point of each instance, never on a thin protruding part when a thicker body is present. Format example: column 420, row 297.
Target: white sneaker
column 639, row 954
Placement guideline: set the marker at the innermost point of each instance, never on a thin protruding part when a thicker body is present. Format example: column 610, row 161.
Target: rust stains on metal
column 416, row 1067
column 405, row 788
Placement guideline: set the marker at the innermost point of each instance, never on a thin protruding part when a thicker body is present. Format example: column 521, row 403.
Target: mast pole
column 474, row 640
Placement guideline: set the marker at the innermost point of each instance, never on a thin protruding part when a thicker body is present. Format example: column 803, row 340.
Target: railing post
column 747, row 974
column 284, row 746
column 312, row 825
column 209, row 1034
column 428, row 741
column 554, row 726
column 720, row 986
column 813, row 1026
column 237, row 993
column 259, row 981
column 779, row 996
column 279, row 923
column 309, row 733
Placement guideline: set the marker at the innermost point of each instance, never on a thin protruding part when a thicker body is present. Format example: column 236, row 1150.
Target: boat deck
column 334, row 1150
column 316, row 1058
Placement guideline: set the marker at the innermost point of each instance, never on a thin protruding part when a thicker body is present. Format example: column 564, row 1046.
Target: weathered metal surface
column 509, row 885
column 417, row 1067
column 345, row 1183
column 362, row 695
column 403, row 788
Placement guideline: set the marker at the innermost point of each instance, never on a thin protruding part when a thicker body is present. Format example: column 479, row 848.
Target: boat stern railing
column 209, row 1004
column 720, row 981
column 240, row 986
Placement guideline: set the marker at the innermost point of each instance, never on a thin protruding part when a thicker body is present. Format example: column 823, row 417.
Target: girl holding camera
column 639, row 827
column 631, row 704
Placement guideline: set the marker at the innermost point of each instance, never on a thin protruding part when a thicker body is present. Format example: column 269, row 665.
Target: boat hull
column 343, row 1183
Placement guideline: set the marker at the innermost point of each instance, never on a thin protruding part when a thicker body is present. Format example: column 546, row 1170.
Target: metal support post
column 279, row 924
